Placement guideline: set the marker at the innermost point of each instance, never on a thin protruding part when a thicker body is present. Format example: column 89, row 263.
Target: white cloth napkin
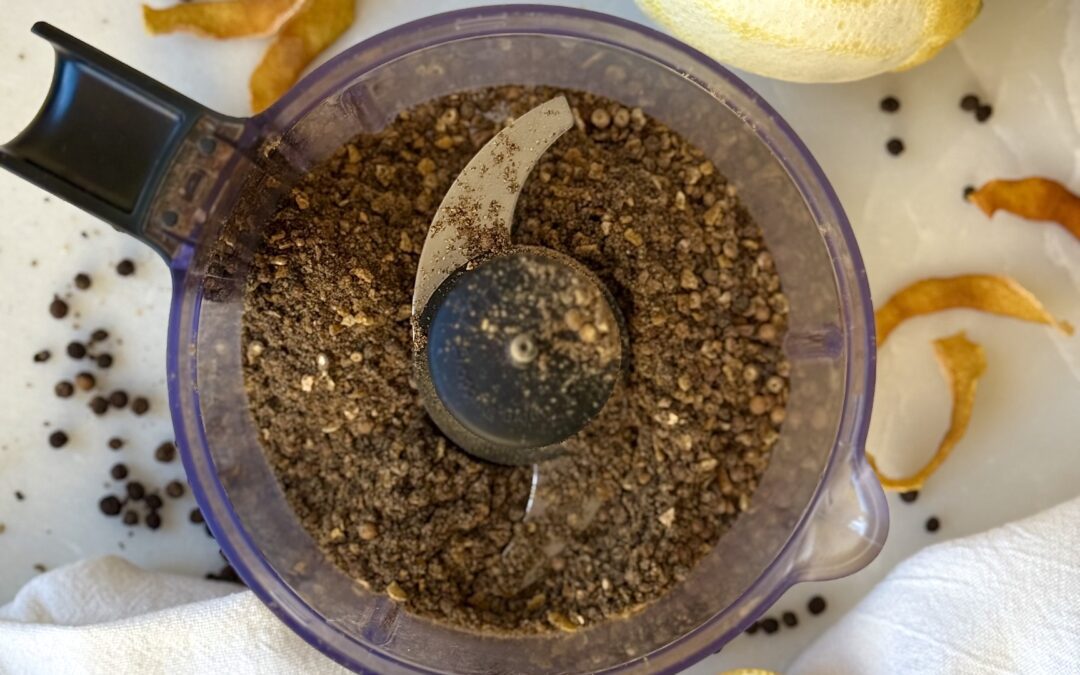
column 1007, row 601
column 108, row 616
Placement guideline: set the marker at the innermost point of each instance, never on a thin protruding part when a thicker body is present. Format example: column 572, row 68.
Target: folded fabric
column 1005, row 601
column 109, row 616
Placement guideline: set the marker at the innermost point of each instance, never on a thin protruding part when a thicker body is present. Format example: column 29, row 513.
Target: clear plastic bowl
column 819, row 512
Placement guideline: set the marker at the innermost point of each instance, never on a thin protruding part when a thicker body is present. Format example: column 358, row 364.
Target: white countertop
column 1018, row 457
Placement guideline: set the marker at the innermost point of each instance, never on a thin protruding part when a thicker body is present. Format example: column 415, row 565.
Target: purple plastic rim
column 210, row 494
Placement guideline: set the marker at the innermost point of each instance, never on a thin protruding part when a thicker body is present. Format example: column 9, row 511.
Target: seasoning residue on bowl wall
column 650, row 485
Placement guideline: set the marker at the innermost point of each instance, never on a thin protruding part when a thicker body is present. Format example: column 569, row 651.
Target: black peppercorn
column 110, row 505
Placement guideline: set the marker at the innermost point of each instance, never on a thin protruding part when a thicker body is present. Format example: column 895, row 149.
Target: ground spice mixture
column 650, row 485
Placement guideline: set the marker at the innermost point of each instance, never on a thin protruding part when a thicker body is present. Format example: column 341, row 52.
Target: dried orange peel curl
column 228, row 19
column 1031, row 198
column 303, row 37
column 963, row 363
column 962, row 360
column 302, row 30
column 987, row 293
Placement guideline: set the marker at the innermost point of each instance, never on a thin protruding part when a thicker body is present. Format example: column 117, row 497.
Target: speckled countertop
column 1018, row 457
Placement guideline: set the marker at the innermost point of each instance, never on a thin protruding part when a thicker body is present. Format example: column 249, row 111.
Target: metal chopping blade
column 516, row 348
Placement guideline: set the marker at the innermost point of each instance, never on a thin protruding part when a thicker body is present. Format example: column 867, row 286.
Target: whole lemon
column 816, row 40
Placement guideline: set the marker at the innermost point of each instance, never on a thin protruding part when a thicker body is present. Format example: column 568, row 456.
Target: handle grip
column 105, row 136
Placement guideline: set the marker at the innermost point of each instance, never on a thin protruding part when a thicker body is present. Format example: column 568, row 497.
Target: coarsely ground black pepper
column 649, row 486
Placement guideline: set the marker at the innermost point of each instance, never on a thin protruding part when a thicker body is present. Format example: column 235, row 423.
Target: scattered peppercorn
column 968, row 191
column 118, row 399
column 135, row 490
column 82, row 281
column 983, row 113
column 153, row 520
column 125, row 268
column 58, row 439
column 154, row 502
column 140, row 405
column 39, row 568
column 895, row 146
column 789, row 619
column 104, row 360
column 64, row 389
column 118, row 472
column 99, row 335
column 76, row 350
column 58, row 308
column 770, row 625
column 933, row 524
column 85, row 381
column 969, row 102
column 99, row 405
column 131, row 518
column 890, row 104
column 196, row 516
column 19, row 495
column 227, row 573
column 42, row 356
column 166, row 452
column 110, row 505
column 753, row 628
column 116, row 443
column 816, row 605
column 909, row 497
column 175, row 489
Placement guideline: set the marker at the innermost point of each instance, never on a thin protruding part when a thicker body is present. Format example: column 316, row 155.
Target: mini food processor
column 173, row 174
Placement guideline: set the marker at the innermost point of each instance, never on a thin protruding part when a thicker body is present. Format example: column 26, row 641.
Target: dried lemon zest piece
column 312, row 29
column 963, row 363
column 228, row 19
column 1031, row 198
column 984, row 292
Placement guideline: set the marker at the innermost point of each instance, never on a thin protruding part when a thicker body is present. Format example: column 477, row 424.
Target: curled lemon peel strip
column 1031, row 198
column 992, row 294
column 963, row 362
column 313, row 28
column 228, row 19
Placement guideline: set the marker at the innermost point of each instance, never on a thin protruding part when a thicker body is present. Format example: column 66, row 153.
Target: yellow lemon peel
column 963, row 362
column 819, row 41
column 987, row 293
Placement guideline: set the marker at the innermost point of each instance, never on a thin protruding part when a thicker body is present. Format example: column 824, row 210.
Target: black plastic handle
column 105, row 135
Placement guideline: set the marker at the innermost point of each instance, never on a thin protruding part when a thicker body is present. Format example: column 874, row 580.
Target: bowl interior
column 362, row 91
